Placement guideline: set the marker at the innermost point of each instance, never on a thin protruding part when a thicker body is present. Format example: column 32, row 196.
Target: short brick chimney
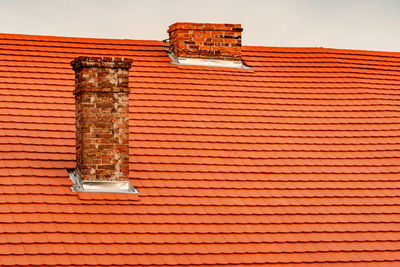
column 206, row 41
column 102, row 118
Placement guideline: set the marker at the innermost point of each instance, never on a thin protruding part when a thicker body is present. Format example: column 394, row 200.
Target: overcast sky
column 353, row 24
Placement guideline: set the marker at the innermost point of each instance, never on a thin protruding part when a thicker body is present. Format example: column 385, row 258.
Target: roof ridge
column 83, row 40
column 304, row 49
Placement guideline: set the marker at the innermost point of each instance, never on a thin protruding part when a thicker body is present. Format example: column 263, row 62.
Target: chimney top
column 108, row 66
column 101, row 62
column 206, row 41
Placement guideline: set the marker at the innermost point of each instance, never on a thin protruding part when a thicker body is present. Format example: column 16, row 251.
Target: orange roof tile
column 294, row 161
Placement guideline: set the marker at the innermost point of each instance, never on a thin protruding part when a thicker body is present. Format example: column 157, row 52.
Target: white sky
column 353, row 24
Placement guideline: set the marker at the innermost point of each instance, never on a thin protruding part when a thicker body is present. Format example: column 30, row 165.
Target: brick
column 204, row 40
column 102, row 117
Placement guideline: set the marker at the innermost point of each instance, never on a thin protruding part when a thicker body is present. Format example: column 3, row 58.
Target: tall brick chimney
column 102, row 118
column 206, row 41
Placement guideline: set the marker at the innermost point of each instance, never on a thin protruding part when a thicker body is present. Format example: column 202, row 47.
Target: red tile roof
column 295, row 160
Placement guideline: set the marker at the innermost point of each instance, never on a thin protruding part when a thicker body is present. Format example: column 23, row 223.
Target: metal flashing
column 207, row 62
column 99, row 186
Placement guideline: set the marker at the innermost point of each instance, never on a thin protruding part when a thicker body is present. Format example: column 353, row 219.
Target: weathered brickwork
column 102, row 117
column 205, row 40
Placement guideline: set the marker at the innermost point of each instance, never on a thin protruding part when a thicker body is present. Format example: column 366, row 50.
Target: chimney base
column 100, row 186
column 207, row 62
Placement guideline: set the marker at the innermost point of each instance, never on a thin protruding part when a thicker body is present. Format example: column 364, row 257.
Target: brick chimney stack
column 206, row 41
column 102, row 118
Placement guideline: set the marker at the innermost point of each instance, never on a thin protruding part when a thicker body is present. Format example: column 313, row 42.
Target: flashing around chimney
column 99, row 186
column 102, row 123
column 207, row 62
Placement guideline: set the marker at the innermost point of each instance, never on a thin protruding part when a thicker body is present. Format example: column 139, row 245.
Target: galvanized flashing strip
column 100, row 186
column 207, row 62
